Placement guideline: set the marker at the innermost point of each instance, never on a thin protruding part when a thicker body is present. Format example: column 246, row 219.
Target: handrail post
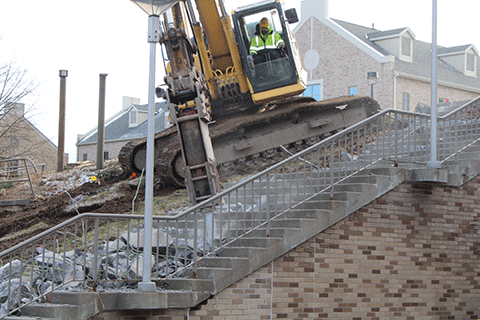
column 195, row 242
column 433, row 163
column 29, row 179
column 95, row 250
column 267, row 211
column 332, row 166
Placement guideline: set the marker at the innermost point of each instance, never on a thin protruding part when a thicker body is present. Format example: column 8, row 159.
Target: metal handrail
column 202, row 230
column 29, row 179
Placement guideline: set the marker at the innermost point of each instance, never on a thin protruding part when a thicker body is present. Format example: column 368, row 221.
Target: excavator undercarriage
column 255, row 138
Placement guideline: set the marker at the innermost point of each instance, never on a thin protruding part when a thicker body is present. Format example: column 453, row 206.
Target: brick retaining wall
column 411, row 254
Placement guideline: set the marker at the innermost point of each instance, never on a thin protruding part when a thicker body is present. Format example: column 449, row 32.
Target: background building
column 19, row 138
column 128, row 124
column 338, row 55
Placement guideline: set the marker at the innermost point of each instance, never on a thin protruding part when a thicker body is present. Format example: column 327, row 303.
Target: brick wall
column 342, row 65
column 420, row 92
column 411, row 254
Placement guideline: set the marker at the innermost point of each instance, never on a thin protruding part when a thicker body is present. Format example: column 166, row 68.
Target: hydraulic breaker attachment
column 189, row 109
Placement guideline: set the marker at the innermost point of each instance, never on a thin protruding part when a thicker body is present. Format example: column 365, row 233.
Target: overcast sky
column 110, row 36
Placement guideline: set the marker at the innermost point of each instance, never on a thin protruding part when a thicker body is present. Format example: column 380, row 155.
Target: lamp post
column 153, row 8
column 433, row 163
column 372, row 77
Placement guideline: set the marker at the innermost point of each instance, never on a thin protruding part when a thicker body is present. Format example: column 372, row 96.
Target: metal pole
column 61, row 120
column 101, row 122
column 433, row 163
column 371, row 91
column 147, row 284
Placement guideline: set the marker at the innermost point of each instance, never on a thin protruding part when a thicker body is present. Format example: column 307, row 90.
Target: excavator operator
column 266, row 43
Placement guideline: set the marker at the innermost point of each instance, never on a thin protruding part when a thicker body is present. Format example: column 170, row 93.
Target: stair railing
column 92, row 250
column 12, row 172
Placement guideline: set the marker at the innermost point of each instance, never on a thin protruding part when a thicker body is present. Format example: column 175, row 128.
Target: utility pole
column 101, row 122
column 61, row 123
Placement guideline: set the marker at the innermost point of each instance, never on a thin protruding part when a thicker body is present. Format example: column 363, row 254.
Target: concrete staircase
column 255, row 249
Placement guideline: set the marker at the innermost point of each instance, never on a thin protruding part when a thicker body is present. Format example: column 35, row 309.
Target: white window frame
column 356, row 90
column 471, row 73
column 317, row 82
column 404, row 57
column 133, row 122
column 406, row 101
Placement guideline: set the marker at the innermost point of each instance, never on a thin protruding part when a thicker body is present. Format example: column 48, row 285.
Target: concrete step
column 222, row 277
column 90, row 303
column 52, row 311
column 255, row 242
column 306, row 213
column 324, row 204
column 283, row 233
column 26, row 318
column 224, row 262
column 175, row 284
column 255, row 255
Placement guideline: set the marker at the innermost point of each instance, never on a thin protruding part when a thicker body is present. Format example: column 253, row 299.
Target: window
column 314, row 91
column 85, row 157
column 14, row 143
column 406, row 46
column 105, row 155
column 352, row 91
column 470, row 62
column 133, row 117
column 406, row 101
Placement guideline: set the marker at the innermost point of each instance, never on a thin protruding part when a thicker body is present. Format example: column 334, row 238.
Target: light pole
column 153, row 8
column 372, row 77
column 433, row 163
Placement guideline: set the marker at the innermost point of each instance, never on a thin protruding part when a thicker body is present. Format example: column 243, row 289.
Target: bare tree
column 15, row 86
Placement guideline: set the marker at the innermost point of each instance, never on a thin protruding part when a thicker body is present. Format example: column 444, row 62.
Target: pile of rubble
column 119, row 267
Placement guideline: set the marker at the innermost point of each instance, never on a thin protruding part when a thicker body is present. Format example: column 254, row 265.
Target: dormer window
column 398, row 42
column 406, row 46
column 470, row 62
column 133, row 118
column 462, row 58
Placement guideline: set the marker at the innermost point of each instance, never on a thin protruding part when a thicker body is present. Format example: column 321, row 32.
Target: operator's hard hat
column 264, row 23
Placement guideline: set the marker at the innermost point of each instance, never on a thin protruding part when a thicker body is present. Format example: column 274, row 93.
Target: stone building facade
column 411, row 254
column 338, row 55
column 19, row 138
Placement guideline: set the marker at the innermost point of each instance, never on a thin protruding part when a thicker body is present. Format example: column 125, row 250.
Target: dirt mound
column 61, row 196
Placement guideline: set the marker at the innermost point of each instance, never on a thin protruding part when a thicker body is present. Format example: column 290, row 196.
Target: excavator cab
column 270, row 68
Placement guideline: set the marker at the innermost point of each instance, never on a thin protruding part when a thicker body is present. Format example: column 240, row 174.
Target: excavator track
column 254, row 139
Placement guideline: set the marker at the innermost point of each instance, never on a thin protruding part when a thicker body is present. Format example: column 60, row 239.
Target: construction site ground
column 60, row 196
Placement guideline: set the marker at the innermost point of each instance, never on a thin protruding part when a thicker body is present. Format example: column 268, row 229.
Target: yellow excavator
column 227, row 105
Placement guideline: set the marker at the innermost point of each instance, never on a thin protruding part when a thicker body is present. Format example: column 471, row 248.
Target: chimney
column 128, row 101
column 315, row 8
column 17, row 109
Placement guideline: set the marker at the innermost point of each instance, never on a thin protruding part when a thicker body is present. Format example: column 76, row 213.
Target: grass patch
column 40, row 225
column 6, row 185
column 164, row 204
